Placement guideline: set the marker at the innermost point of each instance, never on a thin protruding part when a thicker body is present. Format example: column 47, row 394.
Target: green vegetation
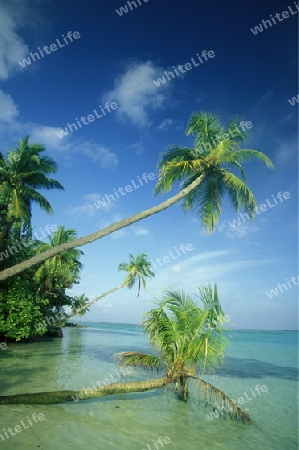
column 22, row 173
column 59, row 273
column 27, row 299
column 205, row 176
column 21, row 310
column 187, row 339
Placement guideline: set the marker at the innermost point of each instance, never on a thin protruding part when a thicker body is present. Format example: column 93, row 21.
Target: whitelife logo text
column 53, row 47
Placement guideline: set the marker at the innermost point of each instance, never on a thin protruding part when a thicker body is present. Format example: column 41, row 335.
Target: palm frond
column 248, row 155
column 216, row 152
column 138, row 269
column 219, row 400
column 139, row 360
column 240, row 195
column 175, row 165
column 206, row 127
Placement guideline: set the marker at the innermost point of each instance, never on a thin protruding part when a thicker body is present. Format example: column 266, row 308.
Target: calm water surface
column 133, row 421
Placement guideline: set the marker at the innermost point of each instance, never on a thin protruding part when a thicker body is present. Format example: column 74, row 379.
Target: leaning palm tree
column 138, row 269
column 79, row 305
column 205, row 175
column 186, row 337
column 22, row 174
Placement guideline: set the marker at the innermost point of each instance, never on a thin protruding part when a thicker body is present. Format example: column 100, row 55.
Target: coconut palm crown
column 139, row 269
column 187, row 338
column 178, row 329
column 22, row 174
column 216, row 152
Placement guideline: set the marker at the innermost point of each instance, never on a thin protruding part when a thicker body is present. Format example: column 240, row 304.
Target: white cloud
column 238, row 231
column 136, row 94
column 120, row 234
column 92, row 197
column 123, row 232
column 198, row 269
column 9, row 110
column 12, row 47
column 165, row 124
column 141, row 231
column 286, row 151
column 14, row 15
column 88, row 207
column 98, row 153
column 138, row 148
column 47, row 136
column 85, row 209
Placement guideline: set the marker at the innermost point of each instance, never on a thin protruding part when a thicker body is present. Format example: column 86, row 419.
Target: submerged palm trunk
column 47, row 398
column 212, row 395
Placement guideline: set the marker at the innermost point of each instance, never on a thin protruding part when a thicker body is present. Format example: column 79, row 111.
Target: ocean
column 261, row 367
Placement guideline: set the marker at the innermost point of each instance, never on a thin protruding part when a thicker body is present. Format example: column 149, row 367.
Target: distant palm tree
column 22, row 174
column 205, row 173
column 139, row 269
column 175, row 331
column 79, row 305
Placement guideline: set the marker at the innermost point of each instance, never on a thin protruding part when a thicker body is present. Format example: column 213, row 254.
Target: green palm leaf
column 139, row 360
column 138, row 269
column 23, row 173
column 215, row 154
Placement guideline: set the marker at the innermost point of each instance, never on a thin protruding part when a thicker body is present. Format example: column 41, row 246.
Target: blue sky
column 116, row 58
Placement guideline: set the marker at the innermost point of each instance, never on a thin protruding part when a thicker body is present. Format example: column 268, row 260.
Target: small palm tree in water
column 187, row 339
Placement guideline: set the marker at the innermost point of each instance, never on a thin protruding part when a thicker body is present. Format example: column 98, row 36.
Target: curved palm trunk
column 92, row 302
column 47, row 398
column 37, row 259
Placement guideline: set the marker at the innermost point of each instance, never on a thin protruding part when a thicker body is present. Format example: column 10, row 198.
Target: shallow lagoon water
column 132, row 421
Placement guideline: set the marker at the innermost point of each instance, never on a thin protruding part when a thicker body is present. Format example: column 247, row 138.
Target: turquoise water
column 134, row 421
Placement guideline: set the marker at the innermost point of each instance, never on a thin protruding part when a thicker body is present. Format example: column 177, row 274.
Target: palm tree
column 58, row 273
column 185, row 335
column 175, row 331
column 206, row 171
column 22, row 174
column 62, row 270
column 213, row 163
column 79, row 305
column 139, row 269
